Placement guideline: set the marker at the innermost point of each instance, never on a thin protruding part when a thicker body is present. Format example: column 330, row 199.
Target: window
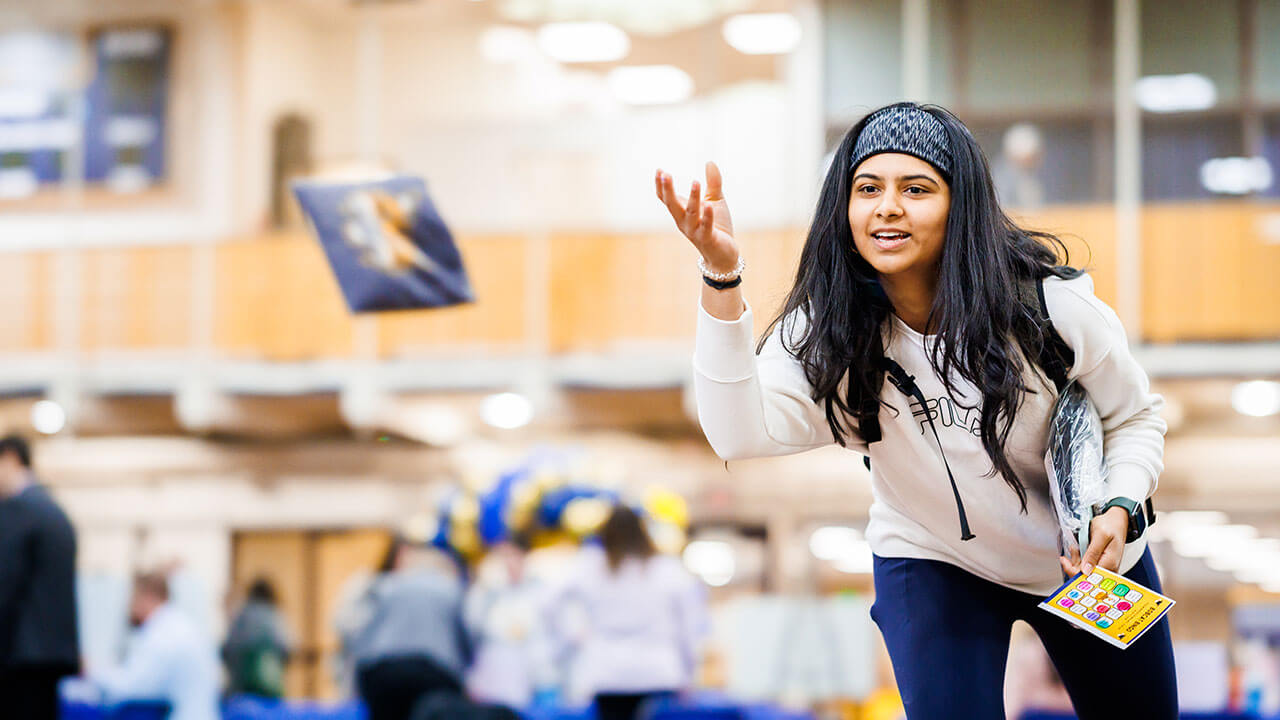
column 120, row 128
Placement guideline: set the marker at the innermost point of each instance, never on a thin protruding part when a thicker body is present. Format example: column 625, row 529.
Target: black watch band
column 1137, row 518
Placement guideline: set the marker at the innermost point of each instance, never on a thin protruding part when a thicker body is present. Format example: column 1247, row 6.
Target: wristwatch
column 1137, row 518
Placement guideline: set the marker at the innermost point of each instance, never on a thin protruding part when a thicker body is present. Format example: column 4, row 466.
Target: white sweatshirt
column 644, row 624
column 755, row 406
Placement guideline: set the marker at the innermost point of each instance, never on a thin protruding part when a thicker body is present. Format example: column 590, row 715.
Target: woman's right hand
column 705, row 222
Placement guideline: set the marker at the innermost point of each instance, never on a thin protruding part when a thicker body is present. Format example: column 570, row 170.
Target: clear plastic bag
column 1076, row 465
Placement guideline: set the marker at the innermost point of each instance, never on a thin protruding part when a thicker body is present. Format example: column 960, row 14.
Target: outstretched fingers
column 667, row 194
column 715, row 187
column 707, row 226
column 693, row 208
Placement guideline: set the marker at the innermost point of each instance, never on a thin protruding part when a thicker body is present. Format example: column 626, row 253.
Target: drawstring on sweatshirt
column 906, row 384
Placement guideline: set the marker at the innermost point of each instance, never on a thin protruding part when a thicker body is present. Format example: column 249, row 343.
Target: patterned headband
column 905, row 129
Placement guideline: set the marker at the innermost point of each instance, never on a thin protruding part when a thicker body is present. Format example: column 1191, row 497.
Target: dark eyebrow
column 904, row 178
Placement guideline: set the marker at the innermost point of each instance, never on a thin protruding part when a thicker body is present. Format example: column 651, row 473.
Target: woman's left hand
column 1106, row 544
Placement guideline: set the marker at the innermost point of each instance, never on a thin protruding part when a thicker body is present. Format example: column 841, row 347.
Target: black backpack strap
column 1056, row 357
column 869, row 425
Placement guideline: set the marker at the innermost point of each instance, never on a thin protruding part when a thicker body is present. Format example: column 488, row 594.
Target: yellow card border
column 1049, row 604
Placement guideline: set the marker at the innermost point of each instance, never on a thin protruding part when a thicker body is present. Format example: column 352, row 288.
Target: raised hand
column 705, row 222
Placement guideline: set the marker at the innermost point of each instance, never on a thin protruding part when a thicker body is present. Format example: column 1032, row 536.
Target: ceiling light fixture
column 48, row 417
column 712, row 560
column 650, row 84
column 833, row 541
column 507, row 44
column 1175, row 93
column 507, row 410
column 762, row 33
column 1257, row 398
column 583, row 42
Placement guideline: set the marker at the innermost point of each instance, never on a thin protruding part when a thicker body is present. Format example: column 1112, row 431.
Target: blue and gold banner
column 386, row 243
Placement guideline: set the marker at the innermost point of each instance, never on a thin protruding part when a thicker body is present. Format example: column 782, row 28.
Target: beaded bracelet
column 722, row 277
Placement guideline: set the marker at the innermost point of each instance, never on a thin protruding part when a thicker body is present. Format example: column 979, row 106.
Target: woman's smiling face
column 898, row 214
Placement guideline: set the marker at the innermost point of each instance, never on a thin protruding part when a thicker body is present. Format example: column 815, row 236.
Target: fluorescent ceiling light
column 1258, row 398
column 833, row 541
column 858, row 560
column 1261, row 553
column 1184, row 518
column 48, row 417
column 506, row 410
column 712, row 560
column 1213, row 540
column 1236, row 175
column 762, row 33
column 572, row 42
column 1176, row 93
column 642, row 17
column 507, row 44
column 1169, row 524
column 650, row 84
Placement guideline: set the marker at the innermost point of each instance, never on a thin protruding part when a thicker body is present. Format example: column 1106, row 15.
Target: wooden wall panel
column 26, row 301
column 590, row 274
column 340, row 556
column 309, row 570
column 1089, row 232
column 283, row 558
column 608, row 290
column 496, row 266
column 1210, row 273
column 772, row 259
column 277, row 299
column 136, row 299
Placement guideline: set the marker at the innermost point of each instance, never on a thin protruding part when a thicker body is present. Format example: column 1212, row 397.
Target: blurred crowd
column 425, row 636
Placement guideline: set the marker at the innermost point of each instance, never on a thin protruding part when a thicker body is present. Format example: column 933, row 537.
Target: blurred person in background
column 39, row 642
column 506, row 614
column 1017, row 171
column 258, row 645
column 928, row 332
column 189, row 592
column 640, row 624
column 170, row 659
column 407, row 641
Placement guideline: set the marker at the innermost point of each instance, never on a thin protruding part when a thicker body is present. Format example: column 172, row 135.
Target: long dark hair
column 624, row 536
column 976, row 313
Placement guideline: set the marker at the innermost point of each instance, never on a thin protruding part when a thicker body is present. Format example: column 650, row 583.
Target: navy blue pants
column 948, row 632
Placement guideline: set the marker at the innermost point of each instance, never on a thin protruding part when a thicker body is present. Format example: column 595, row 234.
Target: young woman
column 910, row 258
column 644, row 618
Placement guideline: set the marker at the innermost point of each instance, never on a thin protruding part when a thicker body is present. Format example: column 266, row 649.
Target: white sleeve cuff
column 1129, row 480
column 723, row 350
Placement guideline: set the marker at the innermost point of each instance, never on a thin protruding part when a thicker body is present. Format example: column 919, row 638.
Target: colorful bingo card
column 1108, row 605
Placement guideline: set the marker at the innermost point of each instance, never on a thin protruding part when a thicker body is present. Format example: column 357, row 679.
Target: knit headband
column 904, row 129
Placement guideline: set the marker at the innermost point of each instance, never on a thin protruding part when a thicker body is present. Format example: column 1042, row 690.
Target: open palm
column 705, row 222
